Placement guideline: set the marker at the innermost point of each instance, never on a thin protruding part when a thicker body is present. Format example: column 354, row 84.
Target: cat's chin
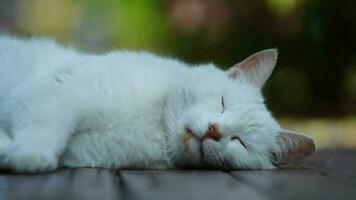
column 202, row 154
column 194, row 149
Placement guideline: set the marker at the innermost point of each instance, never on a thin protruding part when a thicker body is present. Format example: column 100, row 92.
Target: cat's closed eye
column 222, row 104
column 239, row 139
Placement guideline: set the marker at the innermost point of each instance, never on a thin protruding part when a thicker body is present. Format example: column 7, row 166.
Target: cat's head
column 218, row 119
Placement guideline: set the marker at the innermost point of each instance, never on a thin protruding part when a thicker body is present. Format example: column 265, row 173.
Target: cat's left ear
column 292, row 146
column 256, row 68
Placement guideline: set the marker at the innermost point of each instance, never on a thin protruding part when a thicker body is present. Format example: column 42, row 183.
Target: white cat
column 63, row 108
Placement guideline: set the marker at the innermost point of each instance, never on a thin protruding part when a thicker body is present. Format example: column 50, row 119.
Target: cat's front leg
column 39, row 136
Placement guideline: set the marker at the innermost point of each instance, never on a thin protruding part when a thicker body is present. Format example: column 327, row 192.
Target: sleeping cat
column 135, row 110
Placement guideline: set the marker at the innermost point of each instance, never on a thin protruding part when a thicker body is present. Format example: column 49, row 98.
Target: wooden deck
column 325, row 175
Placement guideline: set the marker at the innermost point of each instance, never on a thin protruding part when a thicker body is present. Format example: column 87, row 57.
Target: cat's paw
column 29, row 160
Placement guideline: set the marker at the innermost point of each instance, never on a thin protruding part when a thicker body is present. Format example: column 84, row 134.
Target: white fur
column 60, row 107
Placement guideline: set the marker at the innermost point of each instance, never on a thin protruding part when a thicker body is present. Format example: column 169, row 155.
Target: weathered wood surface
column 325, row 175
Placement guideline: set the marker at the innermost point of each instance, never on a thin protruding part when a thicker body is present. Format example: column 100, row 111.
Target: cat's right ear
column 292, row 146
column 256, row 68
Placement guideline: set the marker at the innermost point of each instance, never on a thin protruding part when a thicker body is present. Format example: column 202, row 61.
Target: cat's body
column 59, row 107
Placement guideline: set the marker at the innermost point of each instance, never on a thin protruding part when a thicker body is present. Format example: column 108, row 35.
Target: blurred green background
column 313, row 88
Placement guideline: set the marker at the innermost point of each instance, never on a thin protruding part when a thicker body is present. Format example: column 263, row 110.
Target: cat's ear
column 293, row 146
column 256, row 68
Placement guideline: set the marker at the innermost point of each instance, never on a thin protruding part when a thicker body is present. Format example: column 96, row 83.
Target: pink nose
column 212, row 133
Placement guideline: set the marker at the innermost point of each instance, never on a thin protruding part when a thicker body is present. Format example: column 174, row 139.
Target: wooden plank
column 337, row 161
column 326, row 175
column 337, row 165
column 294, row 184
column 183, row 185
column 64, row 184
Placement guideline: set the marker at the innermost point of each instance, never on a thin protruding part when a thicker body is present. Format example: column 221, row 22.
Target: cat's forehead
column 213, row 83
column 231, row 91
